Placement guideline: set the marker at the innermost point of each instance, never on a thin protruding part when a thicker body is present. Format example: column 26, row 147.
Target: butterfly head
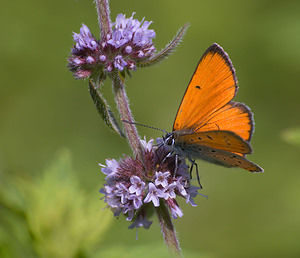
column 168, row 139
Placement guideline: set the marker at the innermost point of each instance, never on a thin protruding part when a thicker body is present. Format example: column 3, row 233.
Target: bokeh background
column 42, row 109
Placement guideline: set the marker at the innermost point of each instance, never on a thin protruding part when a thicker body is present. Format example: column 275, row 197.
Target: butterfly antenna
column 133, row 123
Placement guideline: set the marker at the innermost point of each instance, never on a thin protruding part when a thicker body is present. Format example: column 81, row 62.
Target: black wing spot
column 198, row 87
column 192, row 140
column 212, row 150
column 199, row 149
column 209, row 137
column 199, row 138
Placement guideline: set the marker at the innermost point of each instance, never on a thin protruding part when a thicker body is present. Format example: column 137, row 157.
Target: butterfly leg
column 197, row 172
column 176, row 165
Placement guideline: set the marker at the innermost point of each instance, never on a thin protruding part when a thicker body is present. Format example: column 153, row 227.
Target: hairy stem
column 103, row 17
column 125, row 113
column 168, row 230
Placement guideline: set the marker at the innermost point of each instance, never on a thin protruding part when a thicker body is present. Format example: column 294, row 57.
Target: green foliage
column 51, row 216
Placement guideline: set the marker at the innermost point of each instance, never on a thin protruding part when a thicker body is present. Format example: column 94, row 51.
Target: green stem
column 103, row 17
column 125, row 113
column 168, row 230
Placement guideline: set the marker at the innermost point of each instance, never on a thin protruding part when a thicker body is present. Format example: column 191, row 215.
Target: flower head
column 128, row 43
column 132, row 187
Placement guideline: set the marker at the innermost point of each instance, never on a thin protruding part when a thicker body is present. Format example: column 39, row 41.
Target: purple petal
column 119, row 62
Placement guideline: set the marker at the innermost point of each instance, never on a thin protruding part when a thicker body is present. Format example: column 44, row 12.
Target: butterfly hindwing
column 223, row 140
column 235, row 117
column 218, row 157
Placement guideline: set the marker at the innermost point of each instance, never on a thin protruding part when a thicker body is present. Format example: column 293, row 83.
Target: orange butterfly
column 208, row 125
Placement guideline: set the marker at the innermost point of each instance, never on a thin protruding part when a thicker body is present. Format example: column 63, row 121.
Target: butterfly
column 208, row 124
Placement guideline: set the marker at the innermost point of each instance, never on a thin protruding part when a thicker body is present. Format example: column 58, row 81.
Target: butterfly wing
column 235, row 117
column 212, row 86
column 219, row 147
column 210, row 126
column 218, row 157
column 223, row 140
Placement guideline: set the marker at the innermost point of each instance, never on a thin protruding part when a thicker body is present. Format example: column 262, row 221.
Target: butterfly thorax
column 169, row 139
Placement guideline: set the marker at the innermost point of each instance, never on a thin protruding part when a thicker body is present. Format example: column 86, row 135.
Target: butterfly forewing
column 212, row 86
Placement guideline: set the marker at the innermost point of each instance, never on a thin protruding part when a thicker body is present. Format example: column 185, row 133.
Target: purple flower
column 102, row 58
column 180, row 186
column 147, row 145
column 130, row 184
column 77, row 61
column 90, row 60
column 130, row 212
column 119, row 62
column 161, row 179
column 117, row 40
column 192, row 192
column 137, row 185
column 143, row 36
column 109, row 67
column 128, row 49
column 154, row 195
column 84, row 39
column 174, row 208
column 124, row 26
column 111, row 168
column 123, row 192
column 82, row 74
column 176, row 212
column 170, row 190
column 126, row 30
column 140, row 54
column 128, row 43
column 137, row 200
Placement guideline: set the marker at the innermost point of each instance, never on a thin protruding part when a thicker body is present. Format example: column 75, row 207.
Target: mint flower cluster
column 129, row 43
column 130, row 186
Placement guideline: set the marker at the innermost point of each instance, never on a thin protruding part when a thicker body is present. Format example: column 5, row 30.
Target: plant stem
column 125, row 113
column 103, row 17
column 168, row 230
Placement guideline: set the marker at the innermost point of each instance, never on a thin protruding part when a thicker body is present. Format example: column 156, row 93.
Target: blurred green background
column 42, row 108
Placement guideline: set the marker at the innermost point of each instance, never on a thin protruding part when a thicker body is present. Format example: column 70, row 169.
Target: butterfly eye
column 169, row 139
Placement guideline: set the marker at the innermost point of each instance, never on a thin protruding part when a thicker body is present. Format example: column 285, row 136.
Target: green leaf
column 168, row 50
column 104, row 109
column 60, row 218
